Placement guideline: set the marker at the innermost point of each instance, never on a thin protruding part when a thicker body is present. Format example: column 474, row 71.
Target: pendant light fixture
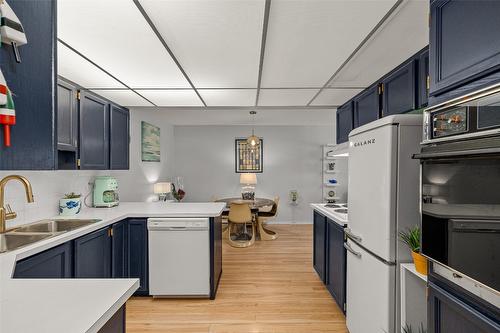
column 253, row 141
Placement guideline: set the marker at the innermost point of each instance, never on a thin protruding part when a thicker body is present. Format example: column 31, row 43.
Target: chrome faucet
column 6, row 212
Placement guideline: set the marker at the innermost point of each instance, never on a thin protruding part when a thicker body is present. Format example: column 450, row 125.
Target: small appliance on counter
column 105, row 192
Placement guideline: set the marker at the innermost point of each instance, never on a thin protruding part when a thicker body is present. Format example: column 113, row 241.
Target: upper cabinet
column 398, row 90
column 33, row 86
column 94, row 132
column 344, row 122
column 67, row 117
column 423, row 78
column 463, row 44
column 367, row 106
column 119, row 128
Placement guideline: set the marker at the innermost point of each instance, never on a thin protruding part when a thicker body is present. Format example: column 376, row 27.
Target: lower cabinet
column 92, row 258
column 138, row 253
column 319, row 242
column 119, row 249
column 449, row 314
column 55, row 263
column 336, row 257
column 116, row 324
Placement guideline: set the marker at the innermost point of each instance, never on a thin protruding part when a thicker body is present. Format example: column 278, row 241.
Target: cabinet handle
column 349, row 248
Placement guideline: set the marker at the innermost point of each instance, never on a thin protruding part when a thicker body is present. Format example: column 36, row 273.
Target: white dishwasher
column 179, row 257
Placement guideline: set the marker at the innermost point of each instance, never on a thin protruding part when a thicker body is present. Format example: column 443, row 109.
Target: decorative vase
column 69, row 207
column 420, row 262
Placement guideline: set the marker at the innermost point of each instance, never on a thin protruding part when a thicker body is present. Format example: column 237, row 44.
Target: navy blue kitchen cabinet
column 319, row 243
column 463, row 42
column 67, row 116
column 119, row 251
column 398, row 90
column 449, row 314
column 55, row 263
column 138, row 253
column 345, row 122
column 33, row 85
column 93, row 255
column 119, row 123
column 94, row 132
column 423, row 78
column 336, row 258
column 367, row 106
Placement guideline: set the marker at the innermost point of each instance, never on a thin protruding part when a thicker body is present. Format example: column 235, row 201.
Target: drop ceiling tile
column 123, row 97
column 228, row 97
column 115, row 35
column 335, row 96
column 307, row 41
column 285, row 97
column 75, row 68
column 185, row 97
column 404, row 34
column 216, row 42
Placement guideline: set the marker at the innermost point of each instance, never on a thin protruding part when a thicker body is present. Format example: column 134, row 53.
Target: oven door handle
column 445, row 154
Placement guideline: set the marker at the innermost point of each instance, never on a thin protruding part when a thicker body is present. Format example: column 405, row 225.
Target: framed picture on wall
column 248, row 159
column 150, row 142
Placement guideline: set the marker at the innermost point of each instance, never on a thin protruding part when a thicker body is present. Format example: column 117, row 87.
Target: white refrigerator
column 383, row 200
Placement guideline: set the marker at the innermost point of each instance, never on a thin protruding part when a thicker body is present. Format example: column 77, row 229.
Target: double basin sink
column 38, row 231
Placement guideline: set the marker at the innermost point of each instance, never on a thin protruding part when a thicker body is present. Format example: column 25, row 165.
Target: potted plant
column 411, row 237
column 70, row 204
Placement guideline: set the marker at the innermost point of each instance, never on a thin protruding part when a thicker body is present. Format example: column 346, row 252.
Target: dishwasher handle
column 174, row 228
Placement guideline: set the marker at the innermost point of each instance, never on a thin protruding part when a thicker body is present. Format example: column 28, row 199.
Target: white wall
column 204, row 157
column 134, row 184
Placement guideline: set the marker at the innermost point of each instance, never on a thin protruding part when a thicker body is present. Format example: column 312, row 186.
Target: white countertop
column 340, row 218
column 77, row 305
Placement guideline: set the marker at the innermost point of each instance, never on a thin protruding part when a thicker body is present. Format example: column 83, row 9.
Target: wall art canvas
column 247, row 159
column 150, row 142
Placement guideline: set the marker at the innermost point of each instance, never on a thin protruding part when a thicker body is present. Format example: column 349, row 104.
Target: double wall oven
column 460, row 175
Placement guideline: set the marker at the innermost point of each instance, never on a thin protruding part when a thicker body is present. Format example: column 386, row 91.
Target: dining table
column 254, row 204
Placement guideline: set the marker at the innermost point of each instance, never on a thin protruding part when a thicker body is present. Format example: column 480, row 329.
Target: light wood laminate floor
column 269, row 287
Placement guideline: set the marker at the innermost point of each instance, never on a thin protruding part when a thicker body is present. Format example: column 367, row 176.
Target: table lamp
column 162, row 189
column 248, row 182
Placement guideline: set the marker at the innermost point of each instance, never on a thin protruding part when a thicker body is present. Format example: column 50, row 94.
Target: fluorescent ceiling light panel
column 308, row 40
column 228, row 97
column 115, row 35
column 216, row 42
column 285, row 97
column 123, row 97
column 404, row 34
column 75, row 68
column 185, row 97
column 335, row 96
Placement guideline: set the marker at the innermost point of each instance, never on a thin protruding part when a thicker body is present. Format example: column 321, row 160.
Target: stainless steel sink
column 12, row 241
column 341, row 210
column 54, row 226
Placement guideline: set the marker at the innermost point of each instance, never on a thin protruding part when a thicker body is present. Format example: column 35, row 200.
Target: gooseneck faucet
column 6, row 212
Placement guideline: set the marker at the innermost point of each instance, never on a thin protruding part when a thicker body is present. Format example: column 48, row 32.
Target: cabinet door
column 93, row 255
column 94, row 132
column 366, row 106
column 54, row 263
column 119, row 138
column 67, row 117
column 399, row 92
column 319, row 243
column 448, row 314
column 423, row 78
column 138, row 253
column 344, row 122
column 119, row 249
column 336, row 263
column 463, row 43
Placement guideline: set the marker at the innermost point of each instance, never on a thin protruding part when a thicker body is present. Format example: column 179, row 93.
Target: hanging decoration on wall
column 248, row 158
column 3, row 89
column 11, row 29
column 150, row 142
column 253, row 141
column 7, row 117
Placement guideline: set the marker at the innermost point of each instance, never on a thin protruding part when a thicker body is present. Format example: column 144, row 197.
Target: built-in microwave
column 460, row 188
column 471, row 116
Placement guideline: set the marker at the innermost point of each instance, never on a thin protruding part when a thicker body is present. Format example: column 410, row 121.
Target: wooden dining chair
column 263, row 217
column 240, row 213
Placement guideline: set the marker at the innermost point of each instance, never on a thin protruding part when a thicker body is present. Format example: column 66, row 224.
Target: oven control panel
column 451, row 122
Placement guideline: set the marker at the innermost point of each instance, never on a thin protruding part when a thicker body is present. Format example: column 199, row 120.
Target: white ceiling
column 209, row 51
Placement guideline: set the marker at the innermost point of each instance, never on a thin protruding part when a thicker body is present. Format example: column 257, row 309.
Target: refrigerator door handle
column 349, row 248
column 355, row 238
